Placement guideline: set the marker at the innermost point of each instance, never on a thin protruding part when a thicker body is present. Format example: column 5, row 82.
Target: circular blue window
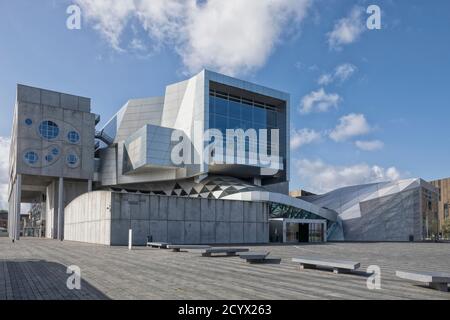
column 31, row 157
column 49, row 158
column 72, row 160
column 28, row 122
column 49, row 130
column 55, row 151
column 73, row 137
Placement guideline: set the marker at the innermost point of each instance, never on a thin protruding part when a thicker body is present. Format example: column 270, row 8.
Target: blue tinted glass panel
column 73, row 137
column 72, row 159
column 260, row 115
column 49, row 130
column 212, row 121
column 111, row 128
column 234, row 124
column 31, row 157
column 221, row 123
column 221, row 106
column 49, row 158
column 28, row 122
column 272, row 118
column 247, row 125
column 55, row 151
column 235, row 110
column 212, row 105
column 247, row 112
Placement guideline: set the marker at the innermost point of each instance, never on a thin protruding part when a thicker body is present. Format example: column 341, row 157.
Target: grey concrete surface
column 146, row 273
column 319, row 262
column 435, row 280
column 105, row 217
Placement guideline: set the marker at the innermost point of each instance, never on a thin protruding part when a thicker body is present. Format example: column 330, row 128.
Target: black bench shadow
column 266, row 261
column 219, row 256
column 43, row 280
column 424, row 286
column 344, row 272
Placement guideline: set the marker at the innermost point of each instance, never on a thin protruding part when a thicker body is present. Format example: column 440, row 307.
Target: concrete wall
column 72, row 189
column 166, row 219
column 70, row 113
column 88, row 218
column 391, row 218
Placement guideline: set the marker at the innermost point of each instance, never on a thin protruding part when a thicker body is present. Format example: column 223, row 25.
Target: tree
column 446, row 229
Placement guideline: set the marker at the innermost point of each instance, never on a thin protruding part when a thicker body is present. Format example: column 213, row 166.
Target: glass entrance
column 292, row 232
column 304, row 232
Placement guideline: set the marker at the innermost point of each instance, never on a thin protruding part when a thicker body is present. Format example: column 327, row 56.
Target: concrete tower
column 51, row 156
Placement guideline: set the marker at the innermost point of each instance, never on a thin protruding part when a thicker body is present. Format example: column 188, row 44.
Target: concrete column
column 89, row 185
column 60, row 208
column 17, row 201
column 11, row 210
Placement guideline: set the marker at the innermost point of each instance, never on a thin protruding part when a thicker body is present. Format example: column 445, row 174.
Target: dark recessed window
column 28, row 122
column 72, row 160
column 73, row 137
column 31, row 157
column 49, row 158
column 49, row 130
column 55, row 151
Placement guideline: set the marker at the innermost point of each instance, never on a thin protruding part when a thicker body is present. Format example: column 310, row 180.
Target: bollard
column 130, row 239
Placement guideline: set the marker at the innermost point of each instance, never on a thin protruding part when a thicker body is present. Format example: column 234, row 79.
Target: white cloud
column 303, row 137
column 370, row 145
column 350, row 126
column 110, row 17
column 4, row 172
column 347, row 30
column 319, row 101
column 232, row 36
column 320, row 177
column 342, row 73
column 325, row 79
column 137, row 45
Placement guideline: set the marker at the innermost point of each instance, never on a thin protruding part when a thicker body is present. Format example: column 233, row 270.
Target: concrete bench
column 228, row 251
column 337, row 266
column 436, row 280
column 254, row 257
column 161, row 245
column 178, row 248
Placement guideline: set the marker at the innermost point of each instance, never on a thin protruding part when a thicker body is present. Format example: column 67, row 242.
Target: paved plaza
column 36, row 269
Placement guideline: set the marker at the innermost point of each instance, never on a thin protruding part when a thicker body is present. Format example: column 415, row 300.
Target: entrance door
column 303, row 229
column 292, row 233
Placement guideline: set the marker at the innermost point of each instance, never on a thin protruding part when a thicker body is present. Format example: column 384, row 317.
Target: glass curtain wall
column 233, row 112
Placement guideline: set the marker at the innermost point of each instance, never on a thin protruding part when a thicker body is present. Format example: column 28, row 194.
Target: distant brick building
column 3, row 219
column 444, row 199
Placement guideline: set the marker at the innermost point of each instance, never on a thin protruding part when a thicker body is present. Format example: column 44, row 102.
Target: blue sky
column 379, row 112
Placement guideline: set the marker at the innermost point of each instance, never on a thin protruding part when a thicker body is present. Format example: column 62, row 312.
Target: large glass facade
column 233, row 112
column 287, row 212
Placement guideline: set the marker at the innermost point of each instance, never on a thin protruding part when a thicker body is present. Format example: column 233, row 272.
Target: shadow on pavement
column 41, row 280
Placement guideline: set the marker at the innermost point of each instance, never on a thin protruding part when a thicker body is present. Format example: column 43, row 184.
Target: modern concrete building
column 95, row 185
column 443, row 185
column 51, row 156
column 403, row 210
column 187, row 168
